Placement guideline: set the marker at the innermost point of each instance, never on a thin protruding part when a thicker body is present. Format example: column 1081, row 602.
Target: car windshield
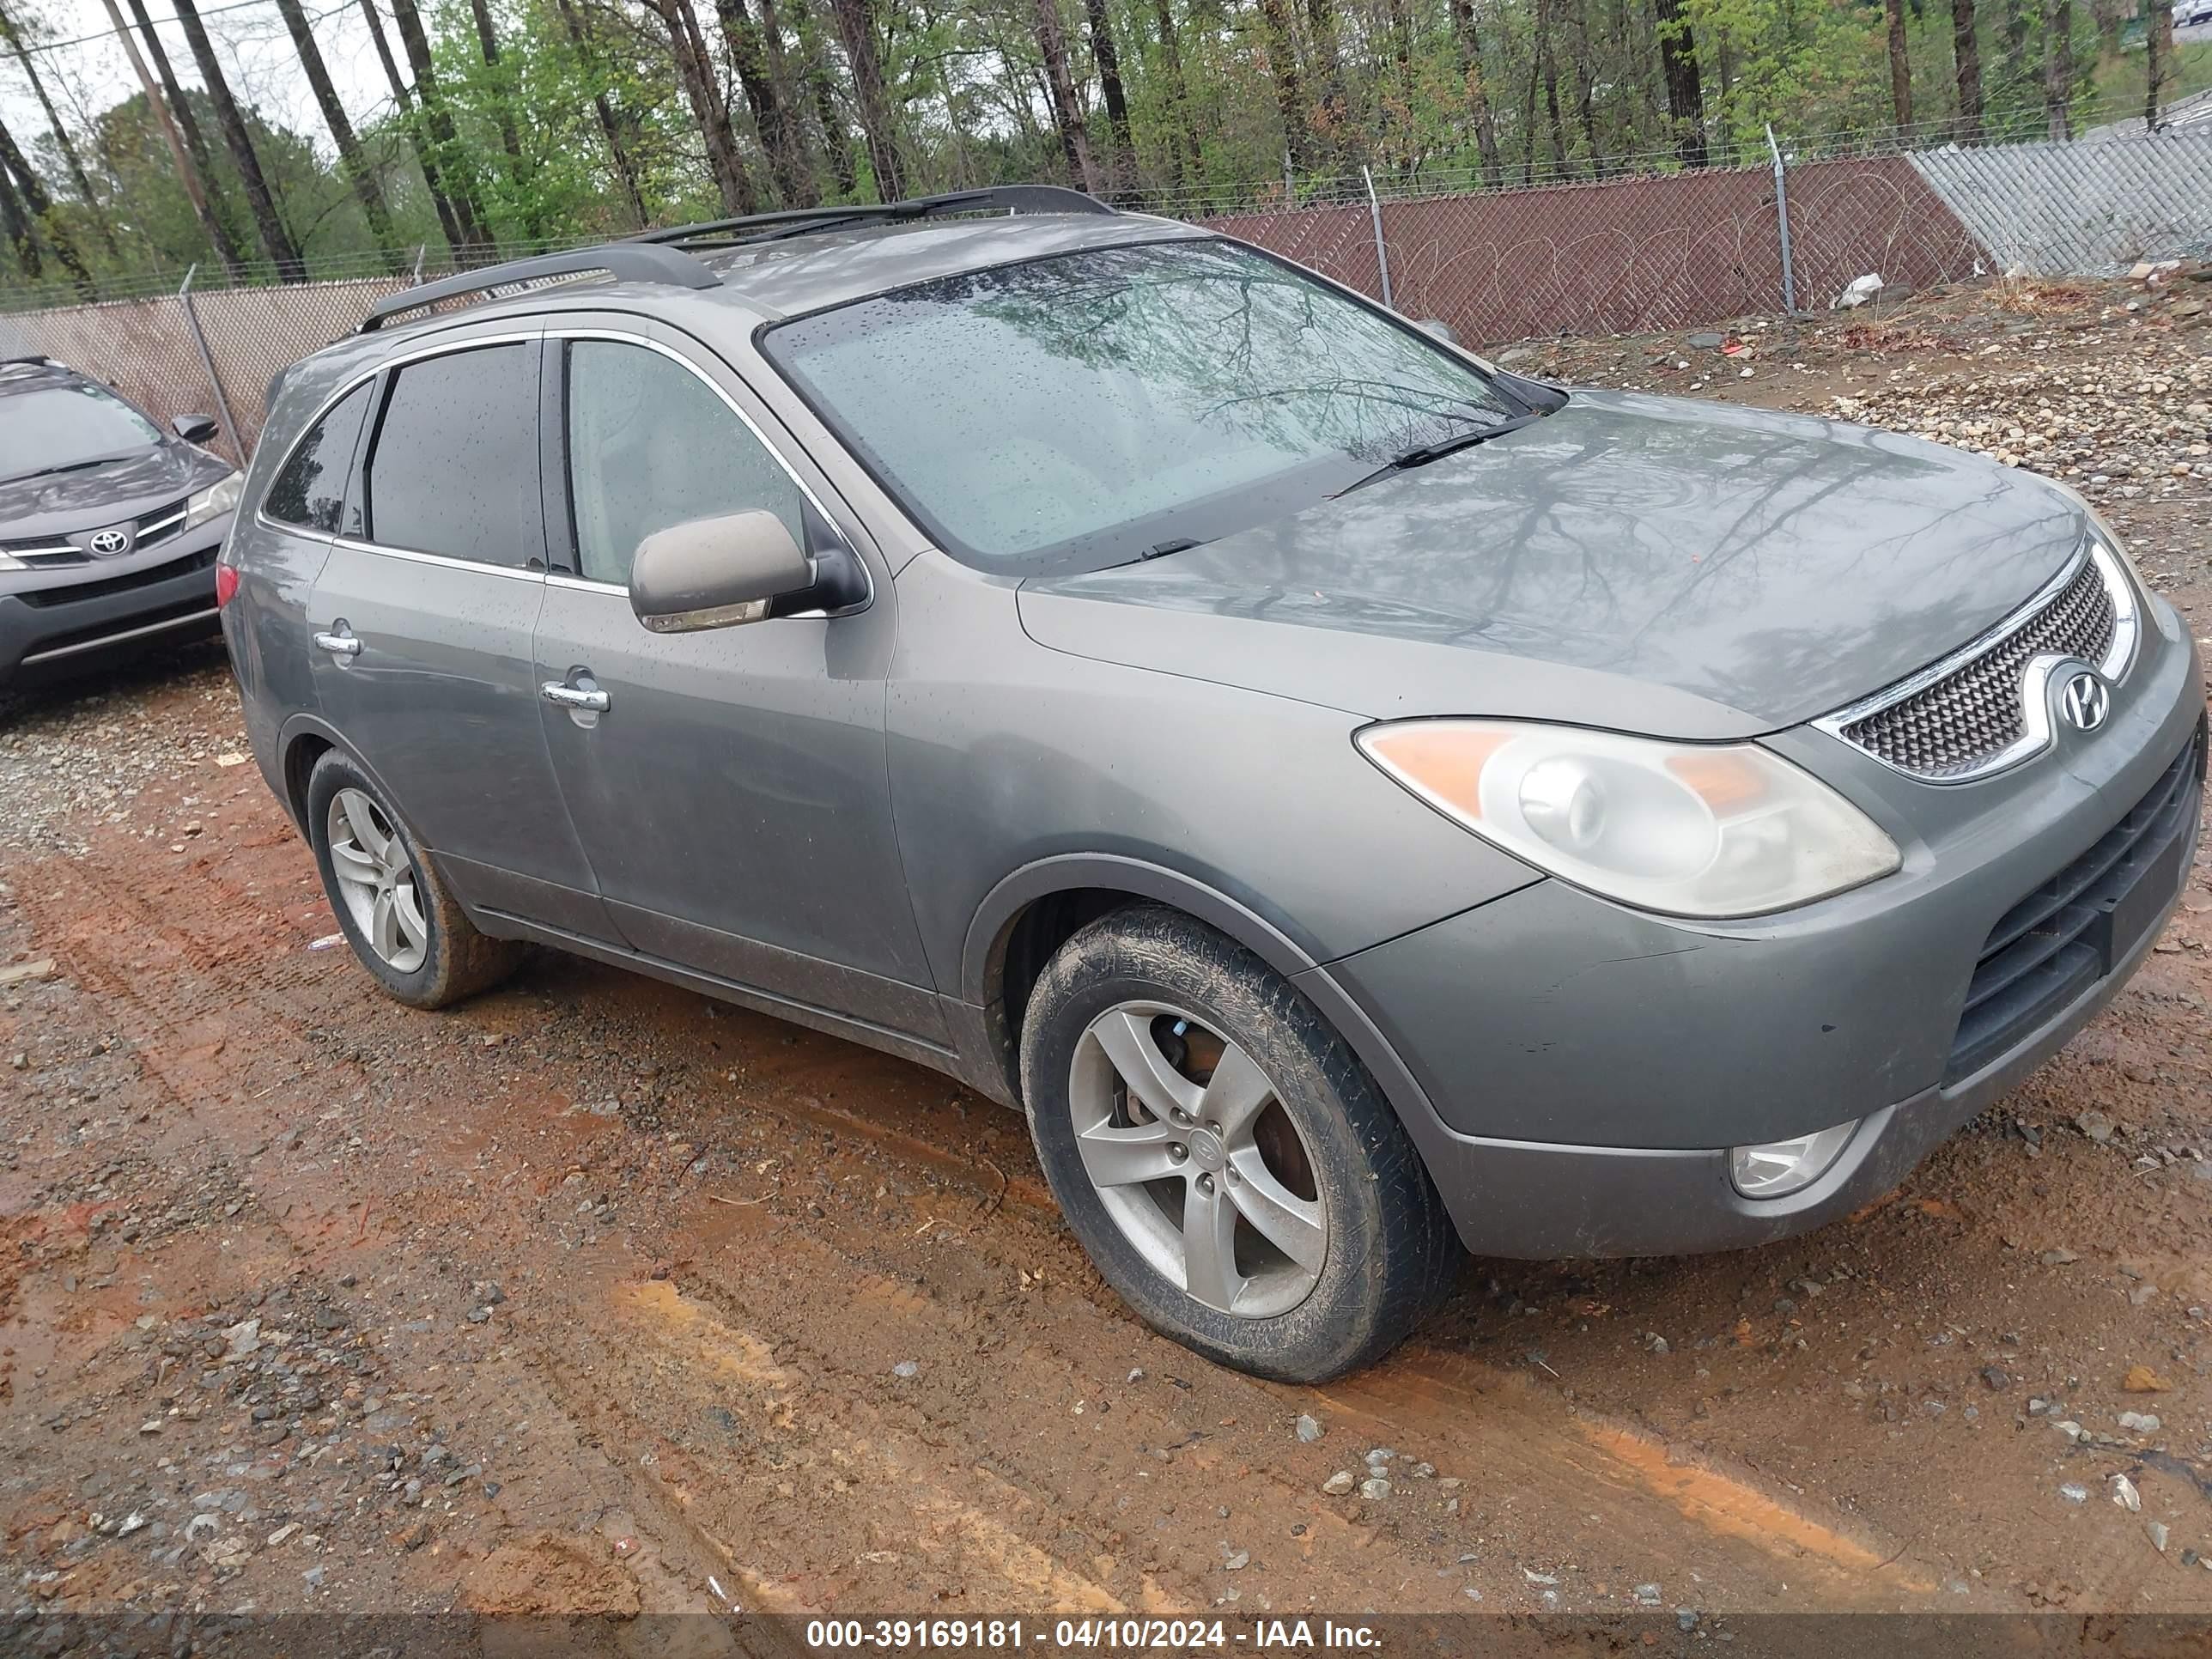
column 1087, row 410
column 52, row 428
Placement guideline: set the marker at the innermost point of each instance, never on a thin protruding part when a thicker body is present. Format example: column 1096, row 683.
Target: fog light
column 1782, row 1167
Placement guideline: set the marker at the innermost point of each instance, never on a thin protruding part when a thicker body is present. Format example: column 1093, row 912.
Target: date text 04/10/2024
column 1112, row 1634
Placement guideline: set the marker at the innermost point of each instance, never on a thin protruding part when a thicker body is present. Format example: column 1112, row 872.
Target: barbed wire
column 1314, row 192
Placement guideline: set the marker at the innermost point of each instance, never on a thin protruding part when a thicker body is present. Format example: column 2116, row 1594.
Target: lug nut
column 1212, row 1127
column 1206, row 1183
column 1180, row 1115
column 1230, row 1171
column 1178, row 1151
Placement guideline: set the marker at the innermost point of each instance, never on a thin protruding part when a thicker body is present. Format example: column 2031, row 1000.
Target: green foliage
column 582, row 118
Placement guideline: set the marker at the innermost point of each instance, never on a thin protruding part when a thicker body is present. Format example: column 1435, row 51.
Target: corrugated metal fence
column 1619, row 255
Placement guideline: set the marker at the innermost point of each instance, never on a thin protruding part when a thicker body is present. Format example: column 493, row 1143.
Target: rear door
column 730, row 787
column 422, row 619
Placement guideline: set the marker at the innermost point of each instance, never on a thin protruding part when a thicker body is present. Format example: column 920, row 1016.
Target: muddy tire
column 1227, row 1161
column 404, row 927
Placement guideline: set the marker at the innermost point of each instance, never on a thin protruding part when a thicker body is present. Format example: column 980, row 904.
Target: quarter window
column 652, row 445
column 310, row 492
column 454, row 468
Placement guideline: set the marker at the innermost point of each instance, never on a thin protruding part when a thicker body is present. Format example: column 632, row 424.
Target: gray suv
column 1360, row 805
column 109, row 526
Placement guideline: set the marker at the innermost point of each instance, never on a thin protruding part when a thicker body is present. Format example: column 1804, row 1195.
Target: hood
column 128, row 489
column 1649, row 564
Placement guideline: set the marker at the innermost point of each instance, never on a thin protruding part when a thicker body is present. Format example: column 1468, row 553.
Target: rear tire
column 1177, row 1088
column 403, row 925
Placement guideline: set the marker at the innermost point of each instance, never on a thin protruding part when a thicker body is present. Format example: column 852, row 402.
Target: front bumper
column 87, row 616
column 1578, row 1071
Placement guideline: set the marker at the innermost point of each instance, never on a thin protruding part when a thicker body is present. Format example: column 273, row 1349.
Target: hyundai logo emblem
column 2085, row 703
column 108, row 542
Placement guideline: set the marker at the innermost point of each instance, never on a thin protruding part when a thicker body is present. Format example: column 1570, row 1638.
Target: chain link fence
column 1643, row 249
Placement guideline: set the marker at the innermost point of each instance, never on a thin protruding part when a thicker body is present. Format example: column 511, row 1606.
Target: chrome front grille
column 50, row 551
column 1982, row 709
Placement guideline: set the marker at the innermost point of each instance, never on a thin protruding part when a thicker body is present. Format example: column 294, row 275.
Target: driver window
column 652, row 445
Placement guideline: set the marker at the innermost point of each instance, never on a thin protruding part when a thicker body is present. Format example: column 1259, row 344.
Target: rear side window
column 454, row 466
column 310, row 492
column 651, row 445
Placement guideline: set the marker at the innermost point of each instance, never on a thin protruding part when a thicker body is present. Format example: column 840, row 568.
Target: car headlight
column 1690, row 830
column 214, row 501
column 10, row 561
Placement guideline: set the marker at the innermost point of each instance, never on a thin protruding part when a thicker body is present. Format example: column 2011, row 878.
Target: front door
column 423, row 619
column 729, row 786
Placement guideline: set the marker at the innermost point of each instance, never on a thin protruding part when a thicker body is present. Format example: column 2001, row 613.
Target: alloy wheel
column 1195, row 1160
column 376, row 881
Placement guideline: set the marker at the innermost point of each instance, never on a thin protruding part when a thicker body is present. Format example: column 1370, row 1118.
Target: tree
column 195, row 163
column 29, row 193
column 780, row 133
column 1473, row 81
column 12, row 33
column 441, row 139
column 359, row 174
column 16, row 222
column 1966, row 58
column 1900, row 66
column 2158, row 58
column 1332, row 115
column 1185, row 155
column 269, row 225
column 856, row 30
column 1290, row 96
column 1067, row 106
column 459, row 232
column 1686, row 91
column 2058, row 67
column 694, row 69
column 822, row 94
column 1108, row 59
column 610, row 128
column 518, row 171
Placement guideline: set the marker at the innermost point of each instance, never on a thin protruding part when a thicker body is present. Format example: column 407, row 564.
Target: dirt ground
column 594, row 1296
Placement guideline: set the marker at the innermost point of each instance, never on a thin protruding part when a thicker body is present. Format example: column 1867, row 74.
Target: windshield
column 1084, row 410
column 61, row 425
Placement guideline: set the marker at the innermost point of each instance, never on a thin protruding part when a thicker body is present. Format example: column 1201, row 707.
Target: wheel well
column 1024, row 946
column 299, row 761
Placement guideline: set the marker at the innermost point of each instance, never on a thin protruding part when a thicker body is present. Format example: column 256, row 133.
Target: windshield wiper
column 1173, row 544
column 1422, row 454
column 66, row 466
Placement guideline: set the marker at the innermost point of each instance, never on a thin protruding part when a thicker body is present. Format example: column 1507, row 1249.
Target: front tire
column 404, row 927
column 1225, row 1158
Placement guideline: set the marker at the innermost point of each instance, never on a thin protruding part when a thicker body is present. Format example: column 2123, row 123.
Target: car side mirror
column 715, row 573
column 1440, row 329
column 194, row 428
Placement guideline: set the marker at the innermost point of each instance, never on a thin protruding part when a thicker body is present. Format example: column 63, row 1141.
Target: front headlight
column 1691, row 830
column 10, row 561
column 214, row 501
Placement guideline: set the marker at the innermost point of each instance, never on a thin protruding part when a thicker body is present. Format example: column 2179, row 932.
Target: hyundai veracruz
column 1359, row 804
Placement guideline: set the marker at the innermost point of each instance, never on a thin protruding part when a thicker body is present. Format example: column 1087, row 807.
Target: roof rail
column 796, row 221
column 34, row 359
column 625, row 261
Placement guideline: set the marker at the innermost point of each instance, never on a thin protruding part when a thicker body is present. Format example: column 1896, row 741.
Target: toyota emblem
column 2085, row 703
column 108, row 542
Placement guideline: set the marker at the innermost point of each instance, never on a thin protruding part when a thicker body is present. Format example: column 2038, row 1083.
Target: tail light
column 226, row 584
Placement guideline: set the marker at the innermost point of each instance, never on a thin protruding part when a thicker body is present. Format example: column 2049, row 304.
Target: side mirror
column 1441, row 329
column 194, row 428
column 715, row 573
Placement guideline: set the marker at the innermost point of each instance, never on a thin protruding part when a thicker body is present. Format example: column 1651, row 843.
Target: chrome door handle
column 343, row 645
column 570, row 697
